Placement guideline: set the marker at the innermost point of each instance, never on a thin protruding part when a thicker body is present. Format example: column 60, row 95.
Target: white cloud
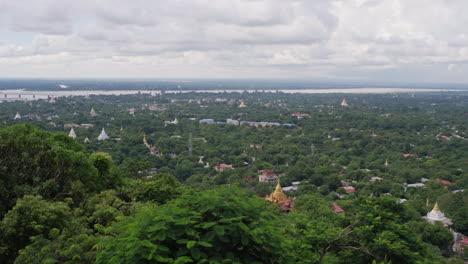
column 223, row 38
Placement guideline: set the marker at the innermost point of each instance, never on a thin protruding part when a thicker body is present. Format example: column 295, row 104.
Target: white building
column 344, row 103
column 103, row 135
column 93, row 113
column 72, row 133
column 293, row 187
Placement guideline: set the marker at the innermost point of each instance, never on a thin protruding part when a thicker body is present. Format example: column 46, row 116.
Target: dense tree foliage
column 52, row 165
column 113, row 201
column 222, row 226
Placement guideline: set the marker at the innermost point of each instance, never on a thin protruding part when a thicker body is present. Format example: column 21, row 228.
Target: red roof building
column 221, row 167
column 464, row 241
column 337, row 208
column 299, row 114
column 349, row 189
column 444, row 181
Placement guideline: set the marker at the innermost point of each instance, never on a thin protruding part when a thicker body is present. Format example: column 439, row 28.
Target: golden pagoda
column 278, row 196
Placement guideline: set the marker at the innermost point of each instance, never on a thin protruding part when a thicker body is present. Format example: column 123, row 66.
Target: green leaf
column 191, row 244
column 182, row 260
column 219, row 230
column 204, row 244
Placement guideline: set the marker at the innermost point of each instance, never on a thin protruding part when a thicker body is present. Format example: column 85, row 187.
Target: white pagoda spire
column 344, row 103
column 93, row 113
column 201, row 159
column 103, row 135
column 386, row 163
column 86, row 140
column 437, row 216
column 72, row 133
column 17, row 116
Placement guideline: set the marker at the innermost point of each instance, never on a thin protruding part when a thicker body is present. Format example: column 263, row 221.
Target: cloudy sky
column 377, row 40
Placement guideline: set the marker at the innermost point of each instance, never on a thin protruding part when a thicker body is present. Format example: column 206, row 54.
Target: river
column 26, row 95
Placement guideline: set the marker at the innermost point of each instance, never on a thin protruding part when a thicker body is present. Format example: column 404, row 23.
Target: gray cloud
column 223, row 38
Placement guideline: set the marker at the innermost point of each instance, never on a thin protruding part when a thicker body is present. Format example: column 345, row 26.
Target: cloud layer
column 417, row 40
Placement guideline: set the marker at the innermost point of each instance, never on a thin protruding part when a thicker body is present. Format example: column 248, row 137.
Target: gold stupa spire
column 278, row 188
column 436, row 206
column 278, row 196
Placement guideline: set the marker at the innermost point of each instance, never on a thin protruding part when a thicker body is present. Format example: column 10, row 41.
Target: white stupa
column 93, row 113
column 103, row 135
column 201, row 159
column 386, row 163
column 86, row 140
column 437, row 216
column 344, row 103
column 17, row 116
column 72, row 133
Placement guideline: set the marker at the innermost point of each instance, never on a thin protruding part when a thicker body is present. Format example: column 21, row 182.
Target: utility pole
column 190, row 145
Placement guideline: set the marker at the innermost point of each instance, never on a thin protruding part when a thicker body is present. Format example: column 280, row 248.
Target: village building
column 349, row 189
column 337, row 209
column 256, row 146
column 232, row 122
column 299, row 115
column 375, row 179
column 174, row 122
column 207, row 121
column 131, row 111
column 87, row 125
column 223, row 166
column 294, row 186
column 70, row 125
column 267, row 176
column 444, row 181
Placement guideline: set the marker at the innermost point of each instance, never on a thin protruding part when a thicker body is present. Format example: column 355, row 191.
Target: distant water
column 12, row 95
